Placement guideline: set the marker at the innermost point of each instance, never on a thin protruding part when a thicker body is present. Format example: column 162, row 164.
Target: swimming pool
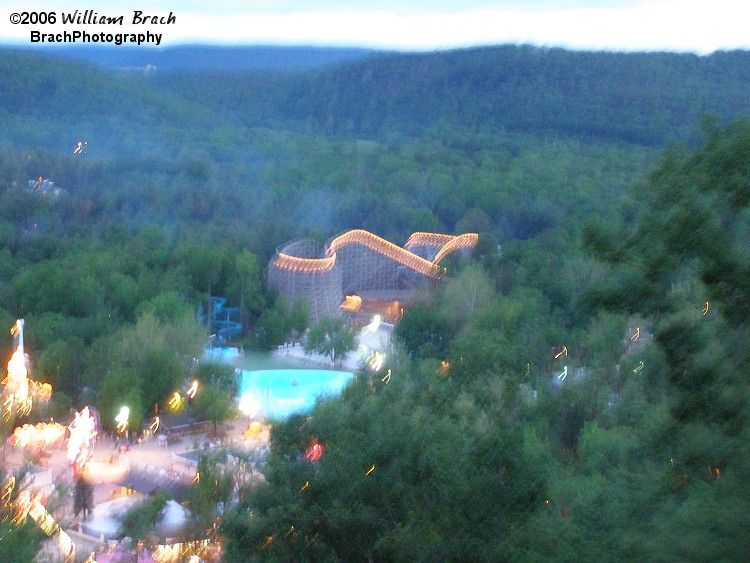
column 279, row 393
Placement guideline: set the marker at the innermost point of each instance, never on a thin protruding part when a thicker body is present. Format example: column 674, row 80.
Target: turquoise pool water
column 279, row 393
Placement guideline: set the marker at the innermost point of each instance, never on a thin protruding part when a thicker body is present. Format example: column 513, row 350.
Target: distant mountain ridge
column 464, row 97
column 640, row 98
column 209, row 56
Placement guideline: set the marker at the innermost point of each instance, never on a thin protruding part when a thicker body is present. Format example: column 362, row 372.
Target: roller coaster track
column 444, row 244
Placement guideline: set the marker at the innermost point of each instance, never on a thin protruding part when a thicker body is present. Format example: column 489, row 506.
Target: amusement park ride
column 331, row 279
column 18, row 398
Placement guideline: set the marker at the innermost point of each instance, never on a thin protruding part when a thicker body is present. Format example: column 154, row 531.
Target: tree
column 138, row 522
column 299, row 316
column 121, row 387
column 686, row 255
column 331, row 337
column 247, row 277
column 683, row 267
column 271, row 327
column 220, row 375
column 468, row 292
column 402, row 476
column 160, row 375
column 213, row 487
column 424, row 331
column 213, row 403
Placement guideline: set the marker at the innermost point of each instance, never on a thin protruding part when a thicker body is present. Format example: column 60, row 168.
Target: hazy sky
column 700, row 26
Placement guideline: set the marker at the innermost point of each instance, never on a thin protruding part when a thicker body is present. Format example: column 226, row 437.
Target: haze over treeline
column 610, row 193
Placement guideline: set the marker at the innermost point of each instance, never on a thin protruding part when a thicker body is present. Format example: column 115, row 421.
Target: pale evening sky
column 699, row 26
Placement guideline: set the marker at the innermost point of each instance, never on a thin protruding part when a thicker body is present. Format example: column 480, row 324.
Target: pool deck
column 369, row 339
column 349, row 363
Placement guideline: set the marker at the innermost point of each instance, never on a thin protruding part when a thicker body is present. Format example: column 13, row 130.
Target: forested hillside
column 210, row 56
column 649, row 99
column 572, row 391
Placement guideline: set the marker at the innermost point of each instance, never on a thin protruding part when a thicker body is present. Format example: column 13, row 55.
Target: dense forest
column 572, row 391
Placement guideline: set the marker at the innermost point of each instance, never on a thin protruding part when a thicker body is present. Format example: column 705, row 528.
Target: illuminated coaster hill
column 358, row 266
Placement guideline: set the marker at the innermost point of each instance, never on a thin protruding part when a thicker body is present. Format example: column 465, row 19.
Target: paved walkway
column 107, row 467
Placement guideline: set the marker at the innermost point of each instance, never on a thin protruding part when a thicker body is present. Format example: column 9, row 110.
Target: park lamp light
column 193, row 389
column 122, row 419
column 248, row 405
column 174, row 402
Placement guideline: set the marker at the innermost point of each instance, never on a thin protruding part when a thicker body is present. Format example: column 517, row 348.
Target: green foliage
column 213, row 487
column 487, row 89
column 138, row 522
column 213, row 403
column 271, row 327
column 423, row 330
column 121, row 387
column 489, row 456
column 330, row 336
column 219, row 375
column 160, row 375
column 405, row 479
column 684, row 252
column 466, row 294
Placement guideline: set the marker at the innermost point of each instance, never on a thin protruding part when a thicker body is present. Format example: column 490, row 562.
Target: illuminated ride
column 358, row 260
column 17, row 400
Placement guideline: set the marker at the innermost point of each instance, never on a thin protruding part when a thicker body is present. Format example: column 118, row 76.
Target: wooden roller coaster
column 358, row 260
column 443, row 245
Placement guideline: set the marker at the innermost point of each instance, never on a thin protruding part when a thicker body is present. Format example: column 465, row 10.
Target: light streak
column 38, row 183
column 174, row 402
column 315, row 451
column 193, row 389
column 39, row 436
column 24, row 502
column 637, row 334
column 19, row 389
column 248, row 405
column 639, row 367
column 444, row 368
column 705, row 309
column 307, row 484
column 49, row 526
column 370, row 470
column 171, row 553
column 373, row 326
column 563, row 351
column 528, row 370
column 197, row 478
column 564, row 374
column 8, row 405
column 80, row 148
column 267, row 545
column 81, row 440
column 376, row 360
column 154, row 425
column 7, row 491
column 387, row 377
column 122, row 419
column 292, row 532
column 446, row 244
column 41, row 391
